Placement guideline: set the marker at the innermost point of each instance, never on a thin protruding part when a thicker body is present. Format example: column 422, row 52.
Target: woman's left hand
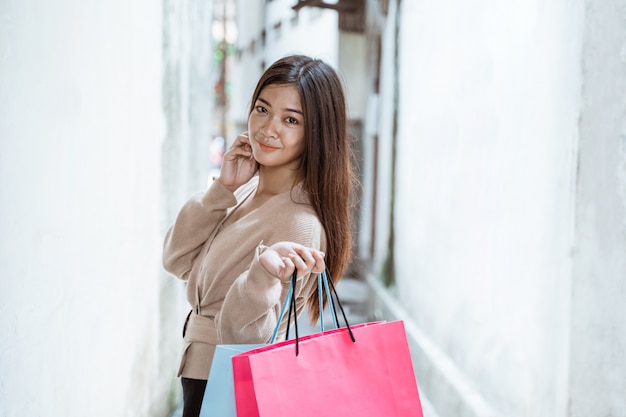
column 238, row 164
column 282, row 258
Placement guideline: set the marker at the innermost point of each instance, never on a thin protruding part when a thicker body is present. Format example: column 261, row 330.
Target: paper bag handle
column 329, row 287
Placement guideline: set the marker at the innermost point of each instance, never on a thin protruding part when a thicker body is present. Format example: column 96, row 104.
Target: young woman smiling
column 281, row 202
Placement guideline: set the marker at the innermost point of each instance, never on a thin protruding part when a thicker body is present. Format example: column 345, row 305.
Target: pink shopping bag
column 331, row 375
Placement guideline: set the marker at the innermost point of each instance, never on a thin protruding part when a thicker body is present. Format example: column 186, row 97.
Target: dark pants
column 193, row 392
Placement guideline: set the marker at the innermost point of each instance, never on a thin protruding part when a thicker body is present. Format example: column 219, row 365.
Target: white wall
column 597, row 380
column 246, row 71
column 352, row 64
column 81, row 127
column 312, row 31
column 510, row 198
column 489, row 109
column 379, row 120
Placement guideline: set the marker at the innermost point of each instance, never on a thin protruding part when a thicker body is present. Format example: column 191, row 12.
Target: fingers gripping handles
column 324, row 285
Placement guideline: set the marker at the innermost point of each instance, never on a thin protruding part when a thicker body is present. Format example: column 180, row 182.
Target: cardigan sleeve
column 252, row 305
column 195, row 224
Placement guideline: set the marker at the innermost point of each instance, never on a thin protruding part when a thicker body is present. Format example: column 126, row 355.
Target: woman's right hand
column 282, row 258
column 238, row 164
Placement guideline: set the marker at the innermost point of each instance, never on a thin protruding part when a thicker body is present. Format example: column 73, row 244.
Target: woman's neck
column 276, row 181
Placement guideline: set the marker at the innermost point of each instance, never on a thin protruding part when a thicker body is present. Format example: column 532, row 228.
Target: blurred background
column 491, row 145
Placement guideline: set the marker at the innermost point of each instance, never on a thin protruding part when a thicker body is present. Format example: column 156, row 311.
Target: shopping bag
column 331, row 376
column 364, row 370
column 219, row 396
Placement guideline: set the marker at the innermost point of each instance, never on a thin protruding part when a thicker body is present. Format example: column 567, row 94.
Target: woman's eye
column 291, row 120
column 261, row 109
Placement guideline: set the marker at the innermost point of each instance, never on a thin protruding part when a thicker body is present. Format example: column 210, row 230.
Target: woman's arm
column 195, row 224
column 201, row 215
column 252, row 304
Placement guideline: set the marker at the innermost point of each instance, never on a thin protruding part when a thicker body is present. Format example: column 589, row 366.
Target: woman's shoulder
column 295, row 212
column 297, row 201
column 297, row 219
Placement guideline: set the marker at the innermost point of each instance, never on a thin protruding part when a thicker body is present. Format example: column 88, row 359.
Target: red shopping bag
column 331, row 375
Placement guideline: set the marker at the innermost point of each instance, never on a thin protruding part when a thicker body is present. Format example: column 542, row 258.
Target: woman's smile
column 266, row 148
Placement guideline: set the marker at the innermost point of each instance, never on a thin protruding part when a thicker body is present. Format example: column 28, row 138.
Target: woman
column 280, row 203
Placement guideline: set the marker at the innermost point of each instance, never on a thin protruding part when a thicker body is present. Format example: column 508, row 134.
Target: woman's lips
column 266, row 148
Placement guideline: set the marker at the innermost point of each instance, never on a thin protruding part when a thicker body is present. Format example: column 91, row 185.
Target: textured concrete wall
column 598, row 322
column 188, row 101
column 81, row 128
column 509, row 246
column 487, row 138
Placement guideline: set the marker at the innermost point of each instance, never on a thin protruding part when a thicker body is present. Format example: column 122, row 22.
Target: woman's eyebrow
column 267, row 103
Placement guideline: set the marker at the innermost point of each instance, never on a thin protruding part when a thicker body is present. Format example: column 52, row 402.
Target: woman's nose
column 270, row 128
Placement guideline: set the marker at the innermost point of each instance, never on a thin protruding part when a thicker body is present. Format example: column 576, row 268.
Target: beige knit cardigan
column 233, row 298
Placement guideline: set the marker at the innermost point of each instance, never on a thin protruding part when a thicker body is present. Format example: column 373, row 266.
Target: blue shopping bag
column 219, row 396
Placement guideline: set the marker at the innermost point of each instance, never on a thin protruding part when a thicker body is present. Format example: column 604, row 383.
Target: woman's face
column 276, row 127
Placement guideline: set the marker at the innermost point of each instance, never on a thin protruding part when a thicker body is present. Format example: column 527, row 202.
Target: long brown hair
column 326, row 162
